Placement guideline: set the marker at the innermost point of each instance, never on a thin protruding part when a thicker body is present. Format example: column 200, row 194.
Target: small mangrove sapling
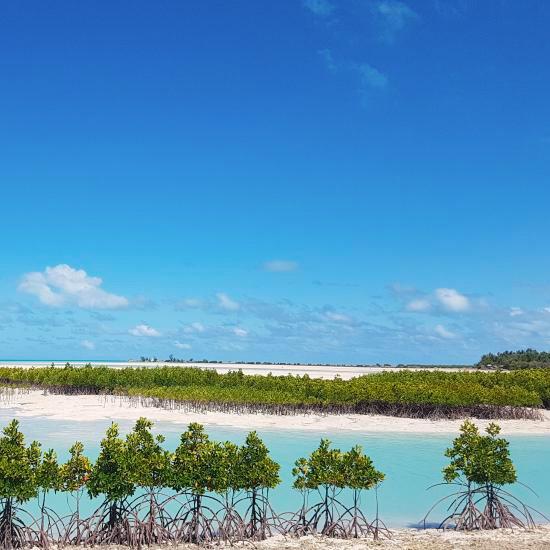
column 18, row 483
column 111, row 477
column 480, row 468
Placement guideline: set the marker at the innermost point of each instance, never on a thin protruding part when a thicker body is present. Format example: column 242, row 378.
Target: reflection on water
column 411, row 462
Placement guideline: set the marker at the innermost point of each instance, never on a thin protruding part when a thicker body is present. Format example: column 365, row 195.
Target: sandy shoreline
column 404, row 539
column 89, row 408
column 414, row 539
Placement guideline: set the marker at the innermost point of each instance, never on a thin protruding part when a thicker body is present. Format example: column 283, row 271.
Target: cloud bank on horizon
column 222, row 327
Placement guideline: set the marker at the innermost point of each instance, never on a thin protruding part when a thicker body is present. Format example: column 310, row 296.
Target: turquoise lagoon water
column 411, row 462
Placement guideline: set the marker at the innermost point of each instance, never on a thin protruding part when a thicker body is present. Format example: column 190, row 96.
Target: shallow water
column 411, row 462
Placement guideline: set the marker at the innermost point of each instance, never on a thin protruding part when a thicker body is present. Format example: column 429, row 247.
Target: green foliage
column 194, row 461
column 148, row 462
column 257, row 470
column 225, row 467
column 110, row 474
column 429, row 389
column 324, row 467
column 301, row 474
column 480, row 459
column 19, row 465
column 359, row 470
column 328, row 472
column 48, row 477
column 521, row 359
column 200, row 466
column 74, row 474
column 328, row 467
column 481, row 466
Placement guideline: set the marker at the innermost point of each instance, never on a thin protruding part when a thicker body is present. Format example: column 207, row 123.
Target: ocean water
column 411, row 462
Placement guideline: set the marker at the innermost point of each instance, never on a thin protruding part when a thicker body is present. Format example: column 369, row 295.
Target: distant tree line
column 172, row 359
column 511, row 360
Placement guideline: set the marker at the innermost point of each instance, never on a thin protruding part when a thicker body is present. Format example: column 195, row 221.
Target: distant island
column 172, row 359
column 511, row 360
column 504, row 360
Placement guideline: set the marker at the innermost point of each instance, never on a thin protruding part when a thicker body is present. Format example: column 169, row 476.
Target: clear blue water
column 411, row 462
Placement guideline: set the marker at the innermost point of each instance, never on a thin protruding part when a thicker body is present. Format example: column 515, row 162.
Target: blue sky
column 317, row 180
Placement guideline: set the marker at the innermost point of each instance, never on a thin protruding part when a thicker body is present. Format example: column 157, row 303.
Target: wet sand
column 89, row 408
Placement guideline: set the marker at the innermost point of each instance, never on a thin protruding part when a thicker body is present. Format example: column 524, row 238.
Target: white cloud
column 328, row 58
column 190, row 303
column 182, row 345
column 194, row 328
column 337, row 317
column 225, row 302
column 452, row 300
column 321, row 8
column 419, row 304
column 144, row 330
column 371, row 77
column 401, row 289
column 87, row 344
column 393, row 16
column 63, row 285
column 241, row 332
column 279, row 266
column 515, row 311
column 440, row 330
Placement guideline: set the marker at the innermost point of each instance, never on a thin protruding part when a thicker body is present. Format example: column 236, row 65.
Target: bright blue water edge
column 411, row 462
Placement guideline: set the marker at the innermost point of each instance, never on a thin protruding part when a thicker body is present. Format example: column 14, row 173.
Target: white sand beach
column 415, row 539
column 403, row 539
column 36, row 403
